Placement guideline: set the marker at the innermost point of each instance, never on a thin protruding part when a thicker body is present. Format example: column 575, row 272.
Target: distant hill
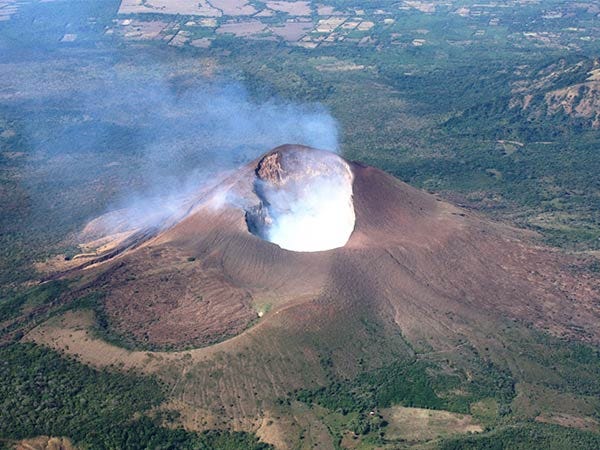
column 571, row 90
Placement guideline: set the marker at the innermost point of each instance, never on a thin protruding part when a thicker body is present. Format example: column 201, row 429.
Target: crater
column 305, row 199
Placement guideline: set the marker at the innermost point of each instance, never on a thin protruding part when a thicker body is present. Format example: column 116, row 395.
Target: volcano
column 302, row 267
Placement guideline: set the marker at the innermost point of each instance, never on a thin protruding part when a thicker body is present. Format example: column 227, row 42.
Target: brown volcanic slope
column 418, row 276
column 411, row 256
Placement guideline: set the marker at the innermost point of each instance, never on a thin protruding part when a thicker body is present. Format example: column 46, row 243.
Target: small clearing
column 418, row 424
column 45, row 443
column 568, row 420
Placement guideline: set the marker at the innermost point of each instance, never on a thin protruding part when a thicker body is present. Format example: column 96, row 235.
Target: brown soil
column 417, row 424
column 234, row 7
column 269, row 169
column 45, row 443
column 565, row 420
column 414, row 257
column 293, row 8
column 579, row 100
column 292, row 31
column 246, row 29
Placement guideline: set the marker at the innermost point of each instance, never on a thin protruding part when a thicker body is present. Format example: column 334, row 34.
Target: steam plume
column 149, row 140
column 305, row 200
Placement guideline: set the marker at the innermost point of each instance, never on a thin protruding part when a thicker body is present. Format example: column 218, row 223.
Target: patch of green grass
column 485, row 411
column 32, row 297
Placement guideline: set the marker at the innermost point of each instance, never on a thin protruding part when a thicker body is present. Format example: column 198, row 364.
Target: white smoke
column 311, row 209
column 213, row 129
column 151, row 145
column 320, row 219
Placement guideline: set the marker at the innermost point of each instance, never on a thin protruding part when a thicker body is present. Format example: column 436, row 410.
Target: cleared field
column 234, row 7
column 417, row 424
column 292, row 31
column 328, row 25
column 326, row 10
column 242, row 29
column 187, row 7
column 424, row 7
column 209, row 8
column 331, row 64
column 201, row 43
column 365, row 26
column 45, row 443
column 299, row 8
column 566, row 420
column 142, row 30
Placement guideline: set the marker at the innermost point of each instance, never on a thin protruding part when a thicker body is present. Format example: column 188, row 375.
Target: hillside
column 570, row 90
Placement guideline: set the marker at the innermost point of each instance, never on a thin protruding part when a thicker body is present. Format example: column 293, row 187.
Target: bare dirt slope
column 414, row 258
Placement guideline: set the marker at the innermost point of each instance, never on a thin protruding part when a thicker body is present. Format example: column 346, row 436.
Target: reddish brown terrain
column 418, row 276
column 433, row 268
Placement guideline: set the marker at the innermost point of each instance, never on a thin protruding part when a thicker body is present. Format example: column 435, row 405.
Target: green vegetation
column 42, row 393
column 38, row 295
column 144, row 434
column 414, row 384
column 568, row 367
column 406, row 384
